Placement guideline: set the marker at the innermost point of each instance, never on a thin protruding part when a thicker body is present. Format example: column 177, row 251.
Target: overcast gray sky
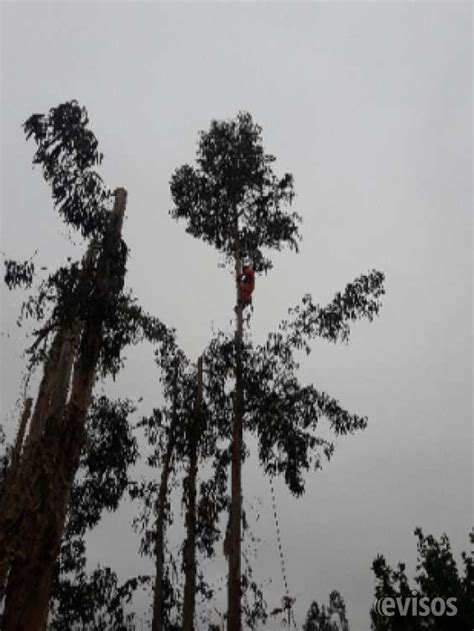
column 369, row 106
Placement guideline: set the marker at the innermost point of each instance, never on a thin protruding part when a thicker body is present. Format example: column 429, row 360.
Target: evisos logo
column 415, row 606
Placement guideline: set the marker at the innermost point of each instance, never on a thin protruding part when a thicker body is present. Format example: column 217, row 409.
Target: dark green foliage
column 279, row 409
column 213, row 502
column 233, row 200
column 127, row 325
column 437, row 576
column 254, row 606
column 72, row 298
column 18, row 274
column 285, row 413
column 102, row 479
column 233, row 192
column 330, row 618
column 103, row 474
column 175, row 419
column 96, row 601
column 67, row 151
column 360, row 299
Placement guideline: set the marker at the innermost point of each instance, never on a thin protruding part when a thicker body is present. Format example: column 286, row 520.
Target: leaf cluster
column 67, row 152
column 233, row 193
column 95, row 598
column 332, row 617
column 18, row 274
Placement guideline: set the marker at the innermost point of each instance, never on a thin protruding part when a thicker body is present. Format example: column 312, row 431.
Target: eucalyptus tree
column 180, row 436
column 331, row 617
column 165, row 429
column 233, row 200
column 85, row 318
column 190, row 430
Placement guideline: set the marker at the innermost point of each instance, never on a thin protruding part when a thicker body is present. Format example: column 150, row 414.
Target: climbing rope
column 288, row 600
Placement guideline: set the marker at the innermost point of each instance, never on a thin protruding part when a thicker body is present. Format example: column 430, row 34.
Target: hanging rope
column 288, row 601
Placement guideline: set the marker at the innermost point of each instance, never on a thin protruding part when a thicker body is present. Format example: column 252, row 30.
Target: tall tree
column 165, row 432
column 54, row 452
column 86, row 320
column 234, row 201
column 181, row 434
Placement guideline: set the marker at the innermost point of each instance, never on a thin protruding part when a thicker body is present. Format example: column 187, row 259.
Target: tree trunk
column 60, row 358
column 189, row 601
column 10, row 479
column 235, row 534
column 57, row 454
column 50, row 403
column 157, row 624
column 20, row 437
column 158, row 609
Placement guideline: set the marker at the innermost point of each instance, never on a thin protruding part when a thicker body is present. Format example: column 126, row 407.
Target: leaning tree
column 233, row 200
column 85, row 318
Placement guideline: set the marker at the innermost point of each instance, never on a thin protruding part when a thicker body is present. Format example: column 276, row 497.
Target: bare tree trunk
column 161, row 505
column 11, row 475
column 57, row 453
column 47, row 387
column 157, row 624
column 41, row 529
column 235, row 534
column 20, row 437
column 189, row 601
column 50, row 403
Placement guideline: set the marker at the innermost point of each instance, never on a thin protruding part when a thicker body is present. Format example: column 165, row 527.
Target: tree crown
column 233, row 193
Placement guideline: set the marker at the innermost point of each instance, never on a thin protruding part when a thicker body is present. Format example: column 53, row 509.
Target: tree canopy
column 233, row 191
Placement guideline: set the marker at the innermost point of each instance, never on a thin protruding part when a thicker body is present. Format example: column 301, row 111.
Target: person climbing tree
column 233, row 200
column 247, row 285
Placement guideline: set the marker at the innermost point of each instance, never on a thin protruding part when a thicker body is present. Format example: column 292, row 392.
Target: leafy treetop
column 67, row 150
column 233, row 193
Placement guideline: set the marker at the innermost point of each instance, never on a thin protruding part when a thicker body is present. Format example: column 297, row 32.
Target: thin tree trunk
column 58, row 453
column 235, row 535
column 189, row 601
column 157, row 624
column 158, row 610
